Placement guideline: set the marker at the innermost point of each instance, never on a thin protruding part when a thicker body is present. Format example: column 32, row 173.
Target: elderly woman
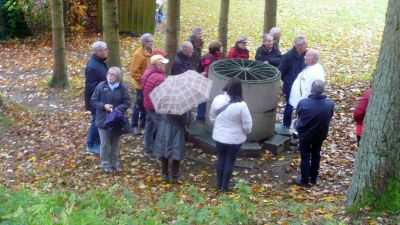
column 239, row 51
column 267, row 52
column 232, row 122
column 110, row 95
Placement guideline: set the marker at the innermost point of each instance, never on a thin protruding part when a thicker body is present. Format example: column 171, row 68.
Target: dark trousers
column 358, row 140
column 201, row 111
column 310, row 158
column 287, row 113
column 93, row 137
column 139, row 110
column 227, row 154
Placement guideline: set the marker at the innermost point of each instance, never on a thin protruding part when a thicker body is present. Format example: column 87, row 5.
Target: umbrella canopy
column 179, row 93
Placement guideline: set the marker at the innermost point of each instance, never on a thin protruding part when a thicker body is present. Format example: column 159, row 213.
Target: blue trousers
column 150, row 131
column 93, row 137
column 310, row 159
column 201, row 111
column 138, row 110
column 227, row 154
column 287, row 113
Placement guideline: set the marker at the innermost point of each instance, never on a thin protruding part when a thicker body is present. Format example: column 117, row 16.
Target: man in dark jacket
column 182, row 62
column 197, row 41
column 267, row 52
column 292, row 63
column 95, row 72
column 314, row 116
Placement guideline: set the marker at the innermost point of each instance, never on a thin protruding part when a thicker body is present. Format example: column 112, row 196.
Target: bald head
column 318, row 87
column 311, row 57
column 187, row 48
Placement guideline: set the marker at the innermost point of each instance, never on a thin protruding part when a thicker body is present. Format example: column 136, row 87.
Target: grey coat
column 103, row 94
column 170, row 140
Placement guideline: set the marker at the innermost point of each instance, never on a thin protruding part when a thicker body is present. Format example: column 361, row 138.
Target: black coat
column 181, row 64
column 314, row 116
column 273, row 57
column 103, row 94
column 291, row 65
column 95, row 72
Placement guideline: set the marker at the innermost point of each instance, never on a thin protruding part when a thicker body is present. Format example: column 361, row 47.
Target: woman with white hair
column 267, row 53
column 110, row 95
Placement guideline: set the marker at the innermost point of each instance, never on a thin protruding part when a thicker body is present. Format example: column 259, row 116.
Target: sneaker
column 93, row 149
column 298, row 182
column 118, row 169
column 136, row 131
column 107, row 170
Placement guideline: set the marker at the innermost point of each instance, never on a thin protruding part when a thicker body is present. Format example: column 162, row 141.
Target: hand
column 108, row 107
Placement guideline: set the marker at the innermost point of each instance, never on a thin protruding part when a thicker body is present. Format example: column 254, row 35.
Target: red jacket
column 237, row 53
column 206, row 61
column 152, row 77
column 359, row 112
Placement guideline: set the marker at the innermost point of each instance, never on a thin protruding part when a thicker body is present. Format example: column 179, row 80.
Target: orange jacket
column 140, row 61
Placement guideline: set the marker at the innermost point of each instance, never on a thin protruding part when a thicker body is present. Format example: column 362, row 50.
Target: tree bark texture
column 59, row 78
column 377, row 165
column 223, row 25
column 270, row 15
column 172, row 31
column 111, row 32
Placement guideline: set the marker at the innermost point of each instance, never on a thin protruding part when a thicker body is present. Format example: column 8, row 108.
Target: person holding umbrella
column 232, row 122
column 174, row 98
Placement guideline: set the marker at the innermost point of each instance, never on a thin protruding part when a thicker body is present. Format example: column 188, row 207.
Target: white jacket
column 231, row 125
column 301, row 87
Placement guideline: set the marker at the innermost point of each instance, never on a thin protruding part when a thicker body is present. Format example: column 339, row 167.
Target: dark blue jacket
column 314, row 116
column 291, row 65
column 273, row 57
column 117, row 123
column 95, row 72
column 181, row 64
column 103, row 94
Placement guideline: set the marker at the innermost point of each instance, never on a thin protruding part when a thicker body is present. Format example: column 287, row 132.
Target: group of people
column 164, row 135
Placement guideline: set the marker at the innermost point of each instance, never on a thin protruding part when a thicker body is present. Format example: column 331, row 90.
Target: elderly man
column 152, row 77
column 182, row 62
column 314, row 116
column 292, row 63
column 197, row 41
column 301, row 87
column 276, row 34
column 267, row 52
column 139, row 63
column 95, row 72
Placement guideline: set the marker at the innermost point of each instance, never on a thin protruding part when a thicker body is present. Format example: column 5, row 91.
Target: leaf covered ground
column 42, row 136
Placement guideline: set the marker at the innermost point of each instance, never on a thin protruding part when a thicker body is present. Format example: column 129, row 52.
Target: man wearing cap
column 152, row 77
column 139, row 63
column 239, row 51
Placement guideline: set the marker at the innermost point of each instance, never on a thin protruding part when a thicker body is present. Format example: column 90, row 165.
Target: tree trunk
column 110, row 32
column 223, row 25
column 172, row 31
column 59, row 78
column 270, row 15
column 376, row 179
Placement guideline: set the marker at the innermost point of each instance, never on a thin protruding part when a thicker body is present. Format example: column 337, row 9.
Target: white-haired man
column 95, row 72
column 301, row 87
column 182, row 62
column 197, row 41
column 140, row 61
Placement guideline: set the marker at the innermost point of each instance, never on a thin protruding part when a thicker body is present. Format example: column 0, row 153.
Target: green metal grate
column 249, row 71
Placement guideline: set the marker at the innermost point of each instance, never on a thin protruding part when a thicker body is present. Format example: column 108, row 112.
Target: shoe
column 107, row 170
column 228, row 189
column 136, row 131
column 93, row 149
column 173, row 179
column 313, row 182
column 298, row 182
column 165, row 178
column 118, row 169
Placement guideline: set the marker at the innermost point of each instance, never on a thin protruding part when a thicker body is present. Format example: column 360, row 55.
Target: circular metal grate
column 249, row 71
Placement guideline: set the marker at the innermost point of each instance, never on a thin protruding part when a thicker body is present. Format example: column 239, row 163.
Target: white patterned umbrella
column 180, row 93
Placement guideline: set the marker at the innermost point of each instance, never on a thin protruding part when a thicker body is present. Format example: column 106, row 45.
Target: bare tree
column 172, row 31
column 60, row 77
column 111, row 31
column 270, row 15
column 376, row 179
column 223, row 24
